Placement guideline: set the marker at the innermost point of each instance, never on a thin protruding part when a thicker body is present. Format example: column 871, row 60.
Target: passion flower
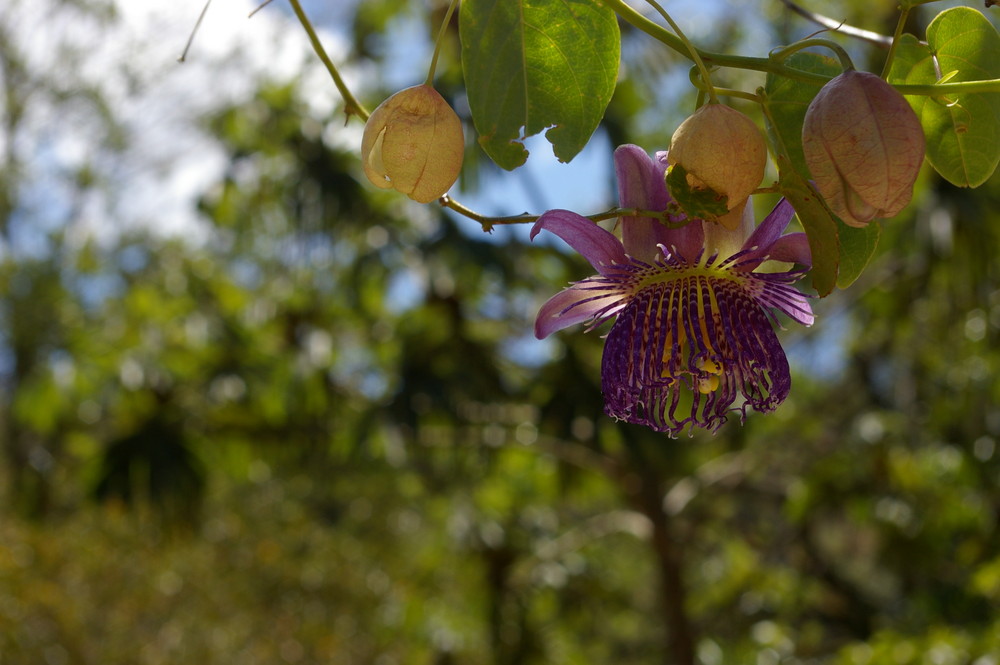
column 694, row 307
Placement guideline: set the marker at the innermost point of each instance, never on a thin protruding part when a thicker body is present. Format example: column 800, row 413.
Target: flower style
column 693, row 306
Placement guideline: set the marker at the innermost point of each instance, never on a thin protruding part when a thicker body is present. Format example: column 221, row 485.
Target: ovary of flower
column 413, row 143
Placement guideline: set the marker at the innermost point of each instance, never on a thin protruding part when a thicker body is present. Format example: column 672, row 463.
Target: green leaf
column 820, row 226
column 839, row 252
column 701, row 203
column 963, row 131
column 857, row 247
column 788, row 100
column 783, row 117
column 913, row 63
column 536, row 64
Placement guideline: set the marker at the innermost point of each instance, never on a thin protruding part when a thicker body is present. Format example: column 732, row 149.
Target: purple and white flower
column 694, row 307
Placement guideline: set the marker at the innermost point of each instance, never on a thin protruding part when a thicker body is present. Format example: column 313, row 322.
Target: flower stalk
column 351, row 105
column 439, row 41
column 692, row 51
column 904, row 13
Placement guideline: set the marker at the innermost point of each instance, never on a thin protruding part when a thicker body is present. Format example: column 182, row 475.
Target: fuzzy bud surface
column 864, row 146
column 413, row 143
column 724, row 151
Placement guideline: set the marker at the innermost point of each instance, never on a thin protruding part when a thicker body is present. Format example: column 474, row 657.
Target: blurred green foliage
column 315, row 436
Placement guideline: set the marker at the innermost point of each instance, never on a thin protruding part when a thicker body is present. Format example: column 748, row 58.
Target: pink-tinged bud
column 413, row 143
column 722, row 150
column 864, row 146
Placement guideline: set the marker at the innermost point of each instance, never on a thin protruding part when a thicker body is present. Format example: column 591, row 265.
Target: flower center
column 687, row 307
column 693, row 338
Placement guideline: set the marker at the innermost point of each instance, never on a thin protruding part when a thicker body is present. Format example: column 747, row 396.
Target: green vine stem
column 696, row 81
column 487, row 222
column 778, row 68
column 781, row 54
column 439, row 41
column 525, row 218
column 771, row 65
column 904, row 13
column 671, row 40
column 351, row 105
column 692, row 51
column 942, row 89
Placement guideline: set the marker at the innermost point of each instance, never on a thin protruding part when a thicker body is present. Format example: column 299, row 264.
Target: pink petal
column 769, row 244
column 595, row 244
column 799, row 309
column 791, row 248
column 576, row 304
column 688, row 239
column 772, row 226
column 641, row 185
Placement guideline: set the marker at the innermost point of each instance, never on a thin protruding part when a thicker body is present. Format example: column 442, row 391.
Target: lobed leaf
column 820, row 226
column 701, row 203
column 857, row 247
column 536, row 64
column 840, row 253
column 788, row 99
column 962, row 131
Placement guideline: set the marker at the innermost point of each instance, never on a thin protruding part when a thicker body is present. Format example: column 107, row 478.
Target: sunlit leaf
column 857, row 247
column 700, row 203
column 784, row 125
column 963, row 131
column 788, row 99
column 536, row 64
column 820, row 226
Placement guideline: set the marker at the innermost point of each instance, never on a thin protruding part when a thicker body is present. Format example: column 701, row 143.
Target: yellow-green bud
column 864, row 146
column 413, row 143
column 723, row 150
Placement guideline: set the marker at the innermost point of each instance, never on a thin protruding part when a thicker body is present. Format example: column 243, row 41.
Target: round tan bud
column 723, row 150
column 864, row 146
column 413, row 143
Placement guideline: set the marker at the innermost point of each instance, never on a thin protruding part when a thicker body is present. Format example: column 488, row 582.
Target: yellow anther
column 708, row 384
column 708, row 365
